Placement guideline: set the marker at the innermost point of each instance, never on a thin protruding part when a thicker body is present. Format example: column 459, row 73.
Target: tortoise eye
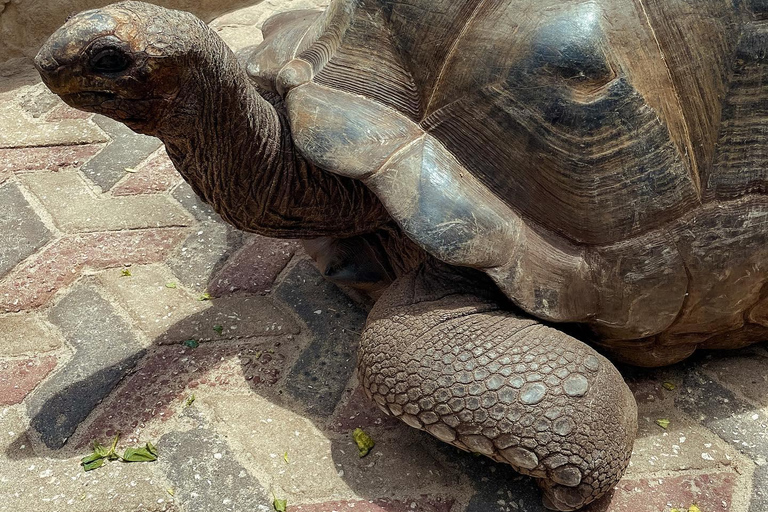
column 110, row 60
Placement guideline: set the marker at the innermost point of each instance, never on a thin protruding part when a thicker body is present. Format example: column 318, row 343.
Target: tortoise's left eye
column 110, row 60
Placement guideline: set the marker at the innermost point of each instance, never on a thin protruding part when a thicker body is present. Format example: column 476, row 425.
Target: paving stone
column 105, row 349
column 127, row 149
column 26, row 333
column 75, row 208
column 718, row 409
column 20, row 131
column 359, row 411
column 206, row 476
column 19, row 377
column 419, row 504
column 37, row 100
column 147, row 296
column 163, row 381
column 157, row 175
column 711, row 492
column 32, row 283
column 203, row 253
column 239, row 317
column 322, row 371
column 254, row 268
column 324, row 465
column 21, row 230
column 46, row 158
column 684, row 445
column 759, row 502
column 62, row 112
column 184, row 194
column 746, row 374
column 498, row 488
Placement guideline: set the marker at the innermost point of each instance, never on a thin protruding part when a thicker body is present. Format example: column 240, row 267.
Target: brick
column 184, row 194
column 76, row 208
column 63, row 112
column 37, row 100
column 320, row 464
column 153, row 305
column 497, row 486
column 33, row 283
column 157, row 175
column 19, row 377
column 105, row 349
column 759, row 502
column 126, row 149
column 206, row 475
column 728, row 416
column 20, row 131
column 239, row 317
column 254, row 268
column 22, row 232
column 746, row 374
column 322, row 371
column 419, row 504
column 711, row 492
column 360, row 411
column 203, row 252
column 46, row 158
column 26, row 333
column 684, row 445
column 168, row 376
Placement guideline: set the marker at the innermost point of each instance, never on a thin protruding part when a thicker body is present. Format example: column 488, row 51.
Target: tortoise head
column 127, row 61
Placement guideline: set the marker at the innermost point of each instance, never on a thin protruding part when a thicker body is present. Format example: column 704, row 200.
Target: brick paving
column 104, row 258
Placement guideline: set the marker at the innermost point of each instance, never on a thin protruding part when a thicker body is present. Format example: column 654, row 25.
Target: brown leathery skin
column 230, row 142
column 443, row 356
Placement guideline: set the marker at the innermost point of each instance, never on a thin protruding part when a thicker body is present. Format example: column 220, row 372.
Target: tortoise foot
column 493, row 382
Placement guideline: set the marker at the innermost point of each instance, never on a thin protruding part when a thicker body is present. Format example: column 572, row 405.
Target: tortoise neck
column 232, row 143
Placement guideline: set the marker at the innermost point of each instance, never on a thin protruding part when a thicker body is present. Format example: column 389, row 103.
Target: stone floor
column 106, row 258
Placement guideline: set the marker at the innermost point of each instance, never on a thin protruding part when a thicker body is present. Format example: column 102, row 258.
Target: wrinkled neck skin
column 234, row 147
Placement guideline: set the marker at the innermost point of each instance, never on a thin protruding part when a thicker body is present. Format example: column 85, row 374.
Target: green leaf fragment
column 190, row 400
column 191, row 343
column 204, row 296
column 219, row 329
column 669, row 386
column 170, row 285
column 364, row 442
column 663, row 423
column 285, row 457
column 170, row 491
column 126, row 272
column 280, row 505
column 139, row 454
column 94, row 464
column 151, row 449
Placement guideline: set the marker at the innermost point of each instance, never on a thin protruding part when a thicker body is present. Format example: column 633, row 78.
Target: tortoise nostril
column 45, row 62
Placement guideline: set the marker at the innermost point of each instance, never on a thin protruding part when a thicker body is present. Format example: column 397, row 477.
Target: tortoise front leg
column 445, row 356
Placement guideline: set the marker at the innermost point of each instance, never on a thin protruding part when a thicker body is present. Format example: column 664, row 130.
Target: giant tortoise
column 512, row 179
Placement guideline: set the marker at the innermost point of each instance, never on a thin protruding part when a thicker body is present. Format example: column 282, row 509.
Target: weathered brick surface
column 207, row 477
column 19, row 377
column 26, row 333
column 105, row 349
column 184, row 194
column 46, row 158
column 322, row 371
column 759, row 502
column 254, row 268
column 126, row 149
column 419, row 504
column 19, row 130
column 168, row 376
column 238, row 318
column 357, row 410
column 157, row 175
column 34, row 282
column 76, row 208
column 21, row 230
column 203, row 252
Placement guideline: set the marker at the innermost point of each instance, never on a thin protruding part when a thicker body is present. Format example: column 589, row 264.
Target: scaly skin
column 447, row 357
column 443, row 349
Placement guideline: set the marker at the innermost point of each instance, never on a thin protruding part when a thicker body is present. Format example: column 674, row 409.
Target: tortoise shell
column 603, row 161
